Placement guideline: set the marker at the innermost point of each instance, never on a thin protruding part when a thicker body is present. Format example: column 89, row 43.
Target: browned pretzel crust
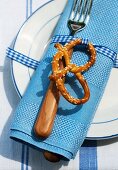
column 58, row 75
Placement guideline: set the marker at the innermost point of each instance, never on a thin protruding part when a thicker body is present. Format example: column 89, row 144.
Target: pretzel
column 58, row 74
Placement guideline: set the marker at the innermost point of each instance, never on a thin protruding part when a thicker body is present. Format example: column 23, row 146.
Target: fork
column 77, row 21
column 79, row 16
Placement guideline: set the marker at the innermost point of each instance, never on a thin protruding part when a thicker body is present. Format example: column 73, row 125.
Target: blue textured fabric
column 71, row 122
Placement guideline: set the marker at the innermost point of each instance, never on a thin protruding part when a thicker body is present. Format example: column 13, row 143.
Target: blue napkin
column 71, row 122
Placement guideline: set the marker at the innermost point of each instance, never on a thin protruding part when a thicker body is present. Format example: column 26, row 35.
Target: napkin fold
column 71, row 122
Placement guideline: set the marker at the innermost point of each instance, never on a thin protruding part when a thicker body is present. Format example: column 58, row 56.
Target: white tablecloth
column 16, row 156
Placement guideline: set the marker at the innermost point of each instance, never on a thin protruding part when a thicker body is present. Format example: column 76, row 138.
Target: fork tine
column 90, row 6
column 78, row 10
column 84, row 9
column 86, row 19
column 72, row 15
column 80, row 15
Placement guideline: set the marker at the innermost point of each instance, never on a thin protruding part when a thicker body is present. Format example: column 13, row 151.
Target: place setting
column 64, row 69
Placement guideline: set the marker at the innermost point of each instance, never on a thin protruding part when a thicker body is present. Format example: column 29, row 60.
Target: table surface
column 93, row 155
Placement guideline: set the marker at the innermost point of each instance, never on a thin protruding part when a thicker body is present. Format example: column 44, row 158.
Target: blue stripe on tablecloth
column 27, row 157
column 30, row 7
column 22, row 157
column 88, row 155
column 27, row 9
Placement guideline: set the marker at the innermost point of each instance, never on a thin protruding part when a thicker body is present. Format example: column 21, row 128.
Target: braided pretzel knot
column 58, row 74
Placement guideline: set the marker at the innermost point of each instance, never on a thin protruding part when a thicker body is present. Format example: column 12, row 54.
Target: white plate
column 31, row 41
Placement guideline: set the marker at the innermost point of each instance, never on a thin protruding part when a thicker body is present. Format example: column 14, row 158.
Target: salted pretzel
column 58, row 74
